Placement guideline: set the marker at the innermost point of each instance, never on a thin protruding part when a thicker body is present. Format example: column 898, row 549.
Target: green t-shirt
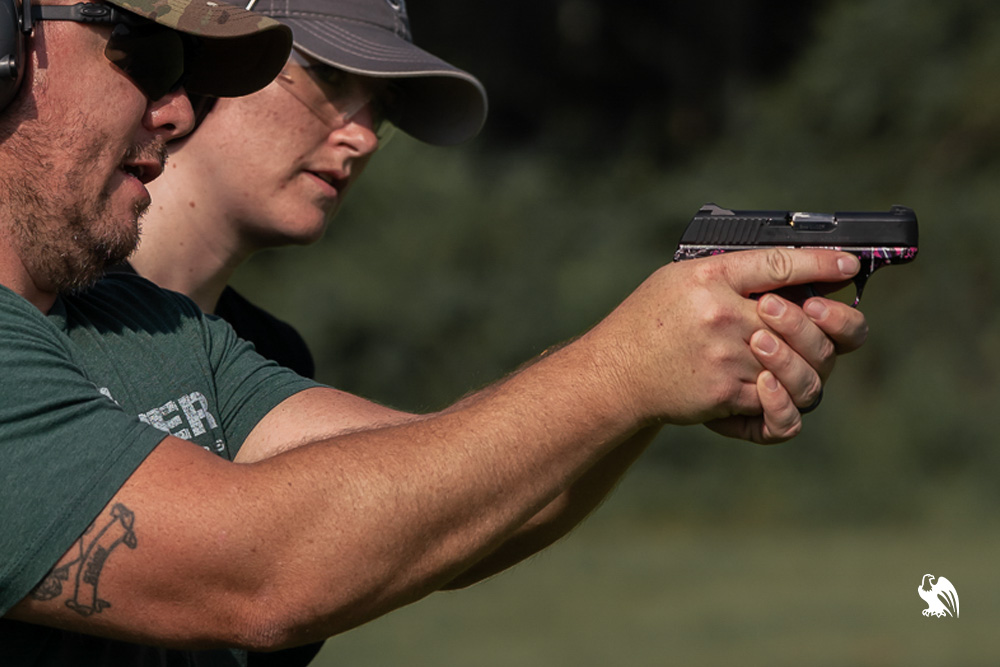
column 87, row 392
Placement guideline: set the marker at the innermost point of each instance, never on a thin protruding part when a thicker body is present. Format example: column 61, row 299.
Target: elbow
column 265, row 625
column 249, row 608
column 295, row 616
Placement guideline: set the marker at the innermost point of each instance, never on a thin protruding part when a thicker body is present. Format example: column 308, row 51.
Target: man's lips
column 144, row 171
column 145, row 162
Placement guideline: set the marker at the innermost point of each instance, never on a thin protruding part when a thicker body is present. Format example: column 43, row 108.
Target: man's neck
column 15, row 276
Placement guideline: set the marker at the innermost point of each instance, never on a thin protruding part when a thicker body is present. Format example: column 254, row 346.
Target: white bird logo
column 940, row 596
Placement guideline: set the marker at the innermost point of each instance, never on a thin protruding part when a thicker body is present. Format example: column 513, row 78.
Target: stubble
column 64, row 226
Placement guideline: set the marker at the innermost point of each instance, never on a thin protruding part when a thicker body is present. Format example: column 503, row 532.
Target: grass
column 622, row 592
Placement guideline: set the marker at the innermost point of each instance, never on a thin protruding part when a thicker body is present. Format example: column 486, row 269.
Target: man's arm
column 802, row 355
column 325, row 536
column 809, row 340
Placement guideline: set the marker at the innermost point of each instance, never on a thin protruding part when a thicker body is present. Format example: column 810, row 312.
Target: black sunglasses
column 152, row 55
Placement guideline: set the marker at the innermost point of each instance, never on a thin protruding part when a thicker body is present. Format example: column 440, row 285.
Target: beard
column 65, row 229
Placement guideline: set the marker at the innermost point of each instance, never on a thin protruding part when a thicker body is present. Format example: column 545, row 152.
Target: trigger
column 860, row 281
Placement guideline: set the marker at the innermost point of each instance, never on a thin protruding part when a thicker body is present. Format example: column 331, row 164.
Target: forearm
column 566, row 512
column 558, row 517
column 464, row 483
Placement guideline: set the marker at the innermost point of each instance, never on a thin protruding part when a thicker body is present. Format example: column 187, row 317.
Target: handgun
column 877, row 239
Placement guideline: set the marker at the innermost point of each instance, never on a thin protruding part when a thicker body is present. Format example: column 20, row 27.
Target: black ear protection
column 14, row 25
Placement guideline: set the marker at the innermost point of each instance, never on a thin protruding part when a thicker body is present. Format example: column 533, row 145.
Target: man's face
column 78, row 145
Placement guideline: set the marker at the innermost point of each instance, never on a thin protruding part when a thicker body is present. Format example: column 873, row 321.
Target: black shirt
column 274, row 339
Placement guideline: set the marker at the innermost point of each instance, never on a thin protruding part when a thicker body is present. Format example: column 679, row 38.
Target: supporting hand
column 797, row 361
column 696, row 344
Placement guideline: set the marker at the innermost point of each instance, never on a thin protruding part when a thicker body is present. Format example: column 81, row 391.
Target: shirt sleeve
column 248, row 386
column 65, row 448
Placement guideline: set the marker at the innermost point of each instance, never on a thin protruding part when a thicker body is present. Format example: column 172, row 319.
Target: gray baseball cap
column 437, row 103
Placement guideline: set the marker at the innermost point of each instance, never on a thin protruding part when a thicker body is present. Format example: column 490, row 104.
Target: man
column 169, row 494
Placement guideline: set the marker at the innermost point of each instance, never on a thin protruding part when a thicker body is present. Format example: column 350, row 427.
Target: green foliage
column 600, row 79
column 448, row 268
column 659, row 594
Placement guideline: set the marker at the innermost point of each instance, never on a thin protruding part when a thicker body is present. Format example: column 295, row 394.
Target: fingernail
column 848, row 264
column 815, row 309
column 766, row 343
column 772, row 305
column 770, row 381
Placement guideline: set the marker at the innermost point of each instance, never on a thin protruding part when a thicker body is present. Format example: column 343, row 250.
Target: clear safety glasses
column 336, row 97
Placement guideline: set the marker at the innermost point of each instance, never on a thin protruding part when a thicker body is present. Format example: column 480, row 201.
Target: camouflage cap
column 239, row 51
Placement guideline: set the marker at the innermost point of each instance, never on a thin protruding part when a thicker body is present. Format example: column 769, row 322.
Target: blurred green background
column 612, row 122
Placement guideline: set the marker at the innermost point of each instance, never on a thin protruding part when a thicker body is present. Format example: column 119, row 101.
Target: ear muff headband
column 12, row 31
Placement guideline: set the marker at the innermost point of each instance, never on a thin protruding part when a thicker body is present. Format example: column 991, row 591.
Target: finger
column 757, row 271
column 800, row 380
column 802, row 334
column 782, row 420
column 842, row 324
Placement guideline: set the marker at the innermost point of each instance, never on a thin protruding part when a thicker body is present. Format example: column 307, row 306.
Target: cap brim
column 239, row 51
column 235, row 66
column 439, row 103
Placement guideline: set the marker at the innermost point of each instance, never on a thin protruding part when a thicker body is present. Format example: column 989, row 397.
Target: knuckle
column 827, row 351
column 714, row 316
column 846, row 327
column 789, row 432
column 777, row 434
column 843, row 322
column 779, row 264
column 706, row 272
column 723, row 358
column 812, row 393
column 727, row 392
column 856, row 332
column 777, row 430
column 846, row 337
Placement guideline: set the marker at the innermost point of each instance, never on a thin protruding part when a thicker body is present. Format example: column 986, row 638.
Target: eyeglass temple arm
column 82, row 12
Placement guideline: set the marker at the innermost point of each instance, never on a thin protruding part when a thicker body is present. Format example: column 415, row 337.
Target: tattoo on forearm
column 95, row 546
